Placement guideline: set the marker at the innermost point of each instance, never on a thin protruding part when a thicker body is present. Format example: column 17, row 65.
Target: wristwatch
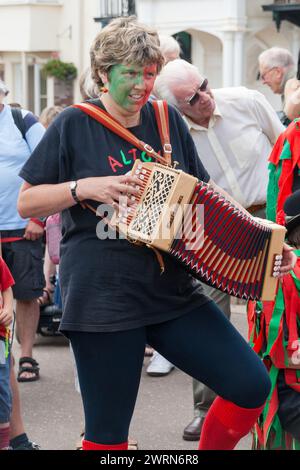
column 73, row 186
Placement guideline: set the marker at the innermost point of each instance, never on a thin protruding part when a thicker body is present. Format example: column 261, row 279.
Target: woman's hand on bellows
column 109, row 189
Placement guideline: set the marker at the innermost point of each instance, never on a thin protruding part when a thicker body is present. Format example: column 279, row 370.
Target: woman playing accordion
column 115, row 298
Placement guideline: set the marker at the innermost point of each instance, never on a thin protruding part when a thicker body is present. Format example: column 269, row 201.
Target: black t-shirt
column 112, row 285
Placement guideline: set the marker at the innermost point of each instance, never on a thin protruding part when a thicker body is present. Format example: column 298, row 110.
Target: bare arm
column 7, row 311
column 44, row 200
column 292, row 99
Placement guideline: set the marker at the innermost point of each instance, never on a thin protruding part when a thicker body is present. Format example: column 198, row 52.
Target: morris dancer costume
column 274, row 326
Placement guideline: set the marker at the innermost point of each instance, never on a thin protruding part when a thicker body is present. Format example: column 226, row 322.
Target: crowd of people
column 66, row 159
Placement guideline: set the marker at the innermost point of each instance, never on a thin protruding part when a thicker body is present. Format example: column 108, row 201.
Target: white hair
column 172, row 76
column 276, row 57
column 3, row 88
column 88, row 88
column 169, row 45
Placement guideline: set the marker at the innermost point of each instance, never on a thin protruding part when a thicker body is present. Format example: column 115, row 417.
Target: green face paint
column 131, row 86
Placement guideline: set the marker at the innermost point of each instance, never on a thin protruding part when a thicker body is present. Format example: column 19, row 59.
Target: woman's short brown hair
column 124, row 41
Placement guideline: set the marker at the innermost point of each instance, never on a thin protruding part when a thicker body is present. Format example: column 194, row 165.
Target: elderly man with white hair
column 234, row 130
column 276, row 68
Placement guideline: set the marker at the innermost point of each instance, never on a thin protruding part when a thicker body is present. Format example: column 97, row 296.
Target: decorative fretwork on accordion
column 238, row 253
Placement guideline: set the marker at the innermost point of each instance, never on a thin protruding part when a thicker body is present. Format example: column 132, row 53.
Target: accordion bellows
column 217, row 242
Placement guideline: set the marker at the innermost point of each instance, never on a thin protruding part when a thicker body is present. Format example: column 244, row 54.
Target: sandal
column 46, row 298
column 33, row 369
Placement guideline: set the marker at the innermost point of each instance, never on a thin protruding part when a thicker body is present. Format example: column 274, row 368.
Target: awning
column 284, row 11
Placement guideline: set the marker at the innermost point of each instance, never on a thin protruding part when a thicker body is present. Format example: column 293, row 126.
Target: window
column 116, row 8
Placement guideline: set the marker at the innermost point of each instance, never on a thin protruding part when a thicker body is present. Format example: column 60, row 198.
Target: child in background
column 6, row 317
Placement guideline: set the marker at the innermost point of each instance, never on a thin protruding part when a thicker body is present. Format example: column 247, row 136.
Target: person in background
column 46, row 118
column 276, row 67
column 18, row 439
column 292, row 95
column 6, row 318
column 234, row 130
column 21, row 239
column 274, row 326
column 169, row 47
column 88, row 89
column 49, row 114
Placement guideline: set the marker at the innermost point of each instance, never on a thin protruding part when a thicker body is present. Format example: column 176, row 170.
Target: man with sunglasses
column 234, row 130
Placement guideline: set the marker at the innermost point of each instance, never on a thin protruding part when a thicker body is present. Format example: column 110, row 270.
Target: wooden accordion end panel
column 219, row 244
column 157, row 213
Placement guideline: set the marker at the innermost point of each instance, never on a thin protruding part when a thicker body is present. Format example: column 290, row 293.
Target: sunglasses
column 195, row 98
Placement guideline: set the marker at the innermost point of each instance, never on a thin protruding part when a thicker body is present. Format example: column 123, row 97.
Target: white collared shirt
column 236, row 146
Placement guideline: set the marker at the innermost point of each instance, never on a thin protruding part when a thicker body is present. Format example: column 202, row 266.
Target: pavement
column 52, row 408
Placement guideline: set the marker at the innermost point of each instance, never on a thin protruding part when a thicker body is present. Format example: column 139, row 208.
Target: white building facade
column 225, row 36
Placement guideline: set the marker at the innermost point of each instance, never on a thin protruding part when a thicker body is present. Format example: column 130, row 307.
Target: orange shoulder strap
column 161, row 113
column 162, row 119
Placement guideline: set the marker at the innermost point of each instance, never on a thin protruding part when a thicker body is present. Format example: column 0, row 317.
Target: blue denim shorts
column 5, row 390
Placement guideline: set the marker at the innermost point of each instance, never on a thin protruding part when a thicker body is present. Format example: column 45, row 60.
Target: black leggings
column 202, row 343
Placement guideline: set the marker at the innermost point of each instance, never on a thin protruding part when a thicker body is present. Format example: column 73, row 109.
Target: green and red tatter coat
column 284, row 161
column 6, row 281
column 274, row 326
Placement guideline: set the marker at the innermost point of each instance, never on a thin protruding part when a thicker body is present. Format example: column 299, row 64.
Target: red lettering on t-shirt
column 114, row 164
column 133, row 152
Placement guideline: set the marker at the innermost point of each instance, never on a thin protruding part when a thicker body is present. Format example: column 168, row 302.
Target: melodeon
column 216, row 241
